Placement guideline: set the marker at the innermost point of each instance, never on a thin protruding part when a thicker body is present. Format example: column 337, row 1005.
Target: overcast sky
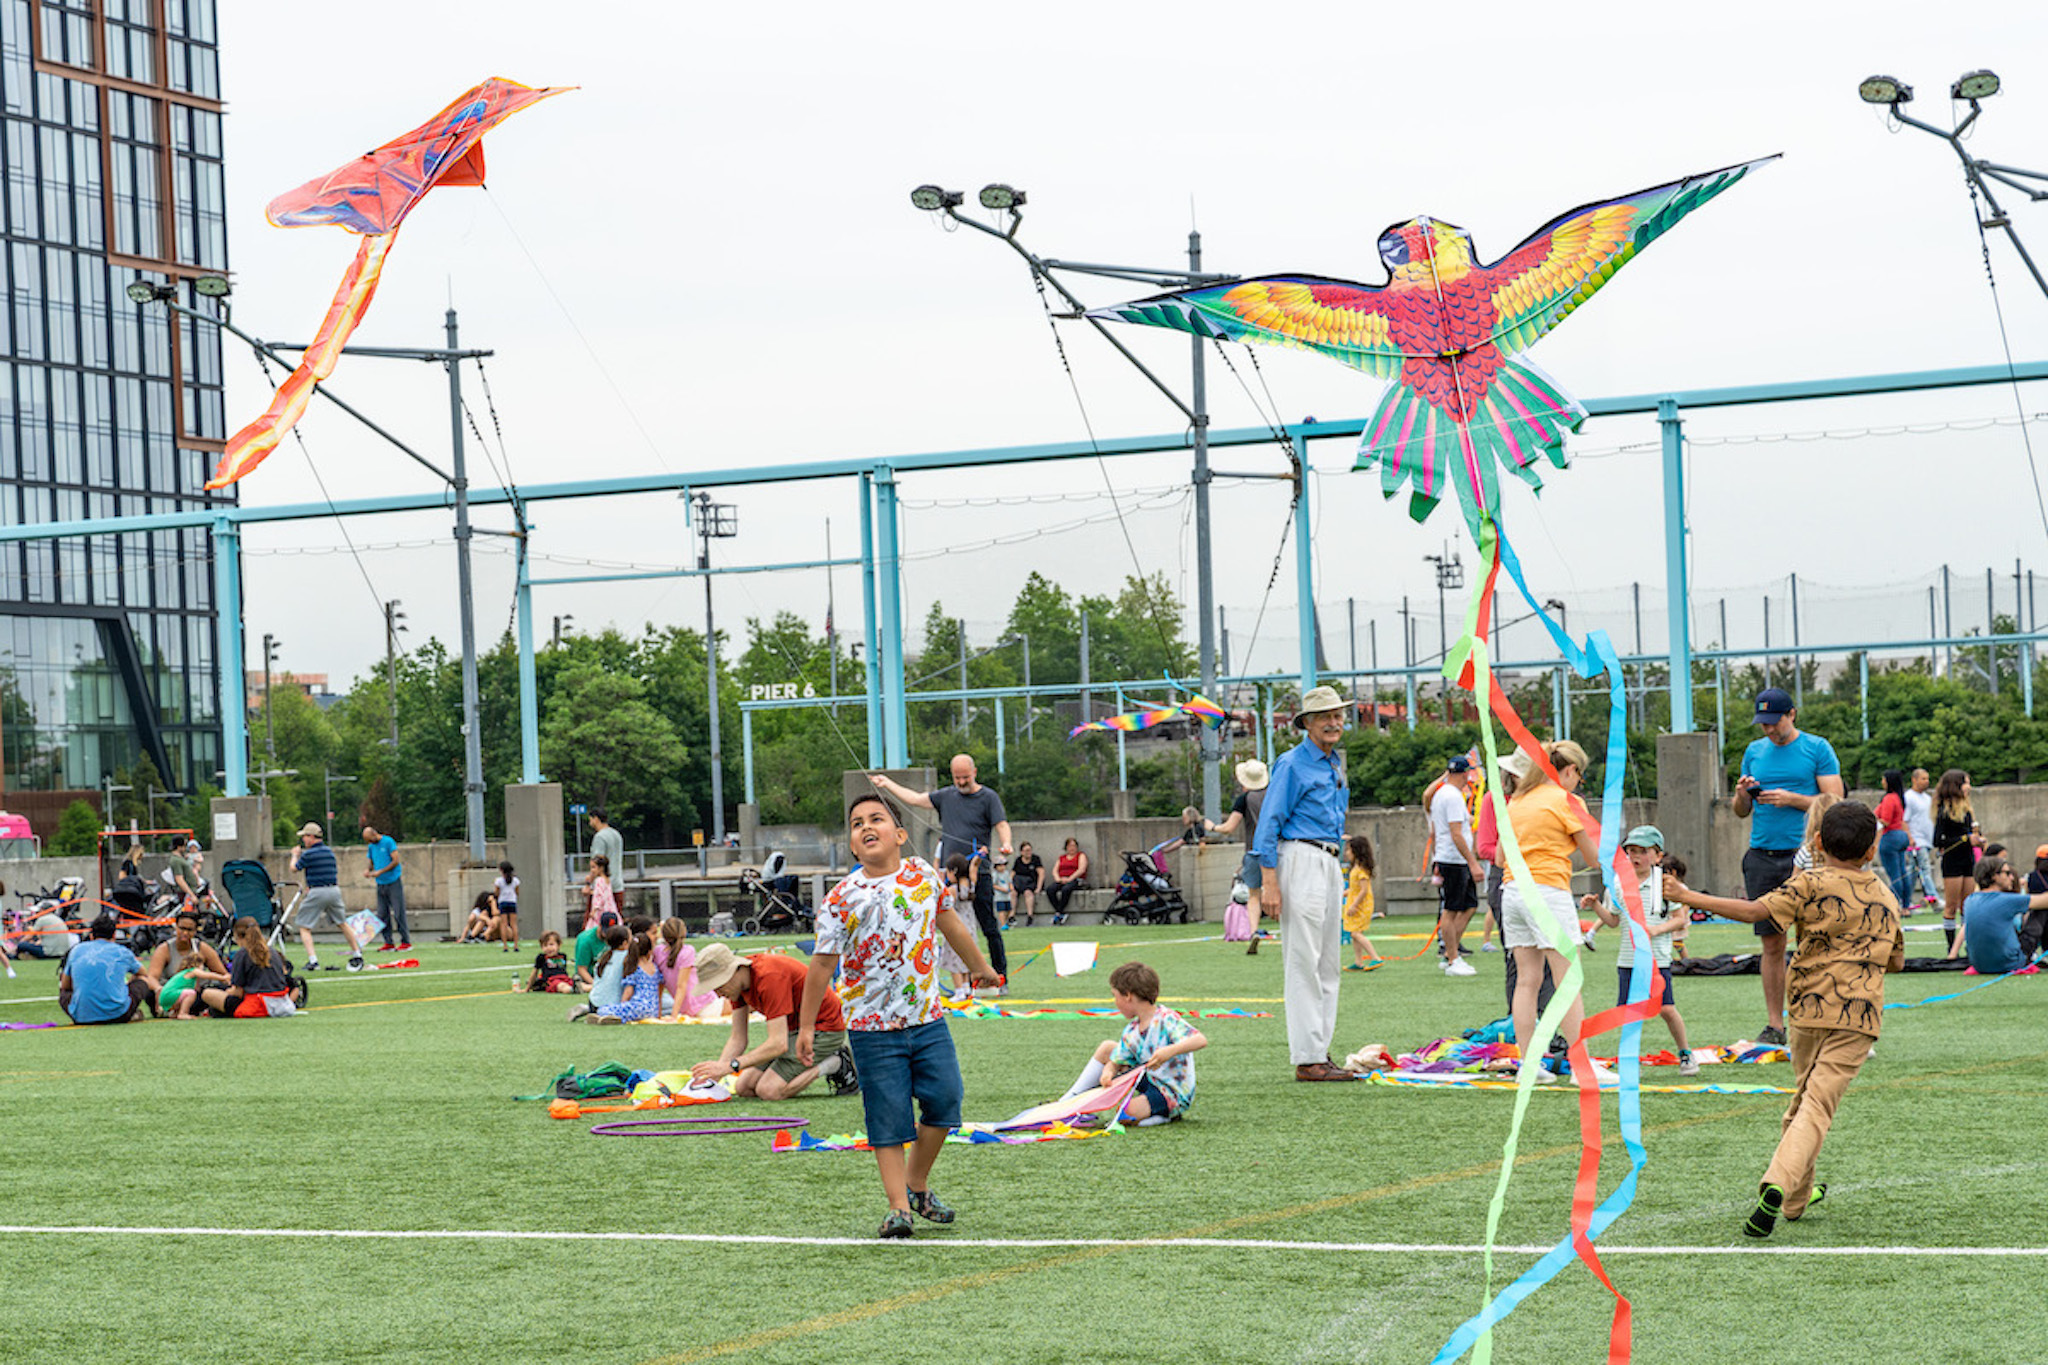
column 705, row 257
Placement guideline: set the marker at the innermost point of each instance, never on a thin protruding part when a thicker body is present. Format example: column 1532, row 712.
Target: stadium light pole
column 1005, row 199
column 1972, row 87
column 715, row 521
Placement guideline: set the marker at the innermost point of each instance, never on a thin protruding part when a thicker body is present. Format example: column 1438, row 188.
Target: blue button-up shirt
column 1306, row 799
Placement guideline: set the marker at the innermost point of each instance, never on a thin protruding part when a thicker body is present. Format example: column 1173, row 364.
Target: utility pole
column 472, row 737
column 566, row 622
column 328, row 777
column 1087, row 698
column 960, row 639
column 715, row 521
column 831, row 629
column 394, row 621
column 270, row 644
column 1450, row 573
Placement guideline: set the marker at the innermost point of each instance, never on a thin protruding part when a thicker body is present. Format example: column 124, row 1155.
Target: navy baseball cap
column 1458, row 764
column 1773, row 704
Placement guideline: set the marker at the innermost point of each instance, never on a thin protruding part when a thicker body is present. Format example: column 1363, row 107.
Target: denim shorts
column 897, row 1066
column 1250, row 872
column 1670, row 997
column 1158, row 1100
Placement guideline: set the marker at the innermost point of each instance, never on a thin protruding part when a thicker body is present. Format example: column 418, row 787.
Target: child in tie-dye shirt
column 1155, row 1038
column 880, row 927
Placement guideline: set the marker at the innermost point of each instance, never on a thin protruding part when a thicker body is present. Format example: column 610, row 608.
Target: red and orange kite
column 372, row 195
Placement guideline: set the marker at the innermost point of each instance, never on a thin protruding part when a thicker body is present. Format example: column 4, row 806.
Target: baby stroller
column 780, row 907
column 254, row 896
column 1145, row 894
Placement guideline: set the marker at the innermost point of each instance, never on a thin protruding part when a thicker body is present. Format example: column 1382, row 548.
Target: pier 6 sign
column 780, row 691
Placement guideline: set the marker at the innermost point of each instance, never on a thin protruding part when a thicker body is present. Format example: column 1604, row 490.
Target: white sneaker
column 1544, row 1075
column 1489, row 947
column 1460, row 968
column 1602, row 1076
column 1688, row 1065
column 355, row 964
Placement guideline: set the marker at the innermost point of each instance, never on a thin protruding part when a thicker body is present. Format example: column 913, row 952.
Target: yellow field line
column 405, row 1000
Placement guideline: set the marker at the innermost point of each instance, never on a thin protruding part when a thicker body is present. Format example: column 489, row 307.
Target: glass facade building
column 110, row 158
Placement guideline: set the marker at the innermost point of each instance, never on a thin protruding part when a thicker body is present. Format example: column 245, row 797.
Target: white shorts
column 1523, row 926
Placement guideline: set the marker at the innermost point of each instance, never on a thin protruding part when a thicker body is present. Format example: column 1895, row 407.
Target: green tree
column 607, row 746
column 78, row 831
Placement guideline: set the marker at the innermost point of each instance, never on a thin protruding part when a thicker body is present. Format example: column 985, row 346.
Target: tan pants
column 1824, row 1061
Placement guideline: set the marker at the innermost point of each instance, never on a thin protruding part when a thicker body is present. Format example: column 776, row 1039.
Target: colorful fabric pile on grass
column 980, row 1009
column 1506, row 1081
column 1492, row 1064
column 971, row 1134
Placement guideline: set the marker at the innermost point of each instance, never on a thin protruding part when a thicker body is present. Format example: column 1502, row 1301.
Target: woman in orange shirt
column 1549, row 826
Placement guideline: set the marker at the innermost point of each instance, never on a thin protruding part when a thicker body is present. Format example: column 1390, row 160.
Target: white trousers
column 1311, row 934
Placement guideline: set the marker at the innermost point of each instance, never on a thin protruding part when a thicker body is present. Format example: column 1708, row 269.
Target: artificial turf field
column 387, row 1109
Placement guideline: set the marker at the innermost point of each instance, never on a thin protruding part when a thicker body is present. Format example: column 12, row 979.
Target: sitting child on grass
column 1849, row 938
column 1645, row 848
column 1156, row 1038
column 639, row 986
column 481, row 918
column 608, row 974
column 259, row 980
column 676, row 960
column 552, row 971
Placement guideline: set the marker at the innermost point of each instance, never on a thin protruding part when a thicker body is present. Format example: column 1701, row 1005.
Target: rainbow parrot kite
column 1447, row 332
column 371, row 196
column 1200, row 707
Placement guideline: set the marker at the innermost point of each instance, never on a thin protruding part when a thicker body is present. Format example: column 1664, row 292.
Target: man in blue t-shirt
column 1781, row 774
column 1993, row 933
column 100, row 981
column 390, row 877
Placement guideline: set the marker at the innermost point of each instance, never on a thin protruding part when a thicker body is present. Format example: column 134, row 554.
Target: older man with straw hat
column 1299, row 840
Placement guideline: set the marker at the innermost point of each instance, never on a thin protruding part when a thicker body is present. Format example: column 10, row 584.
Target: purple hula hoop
column 707, row 1126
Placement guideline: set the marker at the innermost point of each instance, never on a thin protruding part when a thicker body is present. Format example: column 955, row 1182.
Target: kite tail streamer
column 253, row 443
column 1469, row 665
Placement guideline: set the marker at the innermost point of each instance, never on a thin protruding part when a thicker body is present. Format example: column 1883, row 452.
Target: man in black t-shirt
column 972, row 824
column 1244, row 814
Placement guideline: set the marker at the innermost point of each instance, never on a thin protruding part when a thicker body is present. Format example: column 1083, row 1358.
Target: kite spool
column 705, row 1126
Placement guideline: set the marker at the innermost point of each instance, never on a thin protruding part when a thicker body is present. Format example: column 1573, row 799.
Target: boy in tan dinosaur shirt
column 1848, row 926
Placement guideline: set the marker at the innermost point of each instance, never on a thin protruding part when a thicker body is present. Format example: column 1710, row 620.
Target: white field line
column 998, row 1243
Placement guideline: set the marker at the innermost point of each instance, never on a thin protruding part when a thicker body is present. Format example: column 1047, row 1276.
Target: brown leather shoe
column 1323, row 1071
column 1253, row 951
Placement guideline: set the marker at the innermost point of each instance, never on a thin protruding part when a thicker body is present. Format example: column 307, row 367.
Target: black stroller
column 253, row 895
column 778, row 899
column 1145, row 894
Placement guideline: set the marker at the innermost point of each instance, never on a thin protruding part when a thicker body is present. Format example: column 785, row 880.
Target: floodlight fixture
column 212, row 286
column 1001, row 197
column 149, row 291
column 1974, row 85
column 1885, row 90
column 931, row 198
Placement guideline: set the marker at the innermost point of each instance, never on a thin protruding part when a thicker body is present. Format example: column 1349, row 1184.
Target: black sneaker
column 1764, row 1217
column 846, row 1081
column 1772, row 1037
column 1813, row 1201
column 927, row 1206
column 897, row 1224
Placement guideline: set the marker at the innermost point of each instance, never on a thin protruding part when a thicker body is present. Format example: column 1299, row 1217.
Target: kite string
column 340, row 523
column 1059, row 345
column 2011, row 369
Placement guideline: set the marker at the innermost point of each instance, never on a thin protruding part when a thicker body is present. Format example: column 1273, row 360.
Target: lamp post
column 394, row 621
column 1450, row 573
column 565, row 624
column 1023, row 641
column 1972, row 87
column 715, row 521
column 110, row 786
column 270, row 644
column 1006, row 199
column 328, row 777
